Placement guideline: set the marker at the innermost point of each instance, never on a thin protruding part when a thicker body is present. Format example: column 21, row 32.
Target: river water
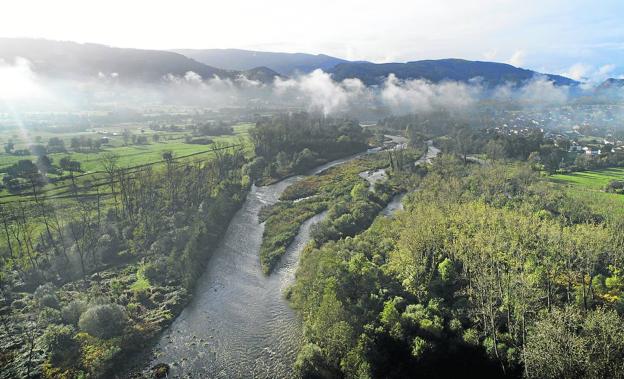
column 238, row 324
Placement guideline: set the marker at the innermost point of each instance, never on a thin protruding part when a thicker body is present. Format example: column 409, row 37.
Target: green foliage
column 103, row 321
column 480, row 264
column 61, row 345
column 296, row 141
column 567, row 344
column 282, row 227
column 310, row 362
column 71, row 312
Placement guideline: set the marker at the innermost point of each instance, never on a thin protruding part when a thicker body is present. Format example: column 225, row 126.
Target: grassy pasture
column 588, row 187
column 129, row 156
column 593, row 180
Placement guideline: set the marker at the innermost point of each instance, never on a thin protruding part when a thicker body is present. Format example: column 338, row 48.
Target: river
column 238, row 323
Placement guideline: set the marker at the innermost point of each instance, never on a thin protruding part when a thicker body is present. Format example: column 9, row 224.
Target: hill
column 71, row 60
column 283, row 63
column 611, row 83
column 491, row 73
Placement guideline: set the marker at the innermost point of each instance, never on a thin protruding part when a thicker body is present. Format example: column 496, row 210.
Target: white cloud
column 422, row 96
column 587, row 73
column 321, row 92
column 517, row 58
column 490, row 55
column 543, row 92
column 18, row 81
column 605, row 70
column 578, row 71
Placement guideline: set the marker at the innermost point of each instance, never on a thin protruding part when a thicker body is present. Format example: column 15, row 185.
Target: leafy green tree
column 103, row 321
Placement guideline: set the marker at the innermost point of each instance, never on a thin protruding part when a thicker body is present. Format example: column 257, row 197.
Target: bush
column 49, row 315
column 49, row 300
column 103, row 321
column 72, row 311
column 45, row 296
column 156, row 271
column 64, row 350
column 310, row 362
column 107, row 248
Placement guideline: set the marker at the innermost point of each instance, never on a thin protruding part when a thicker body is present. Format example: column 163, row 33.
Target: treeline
column 488, row 272
column 111, row 268
column 212, row 129
column 295, row 142
column 467, row 134
column 419, row 127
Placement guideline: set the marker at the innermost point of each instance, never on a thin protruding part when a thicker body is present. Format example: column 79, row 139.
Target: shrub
column 103, row 321
column 156, row 271
column 49, row 300
column 49, row 315
column 45, row 296
column 72, row 311
column 310, row 362
column 107, row 248
column 61, row 345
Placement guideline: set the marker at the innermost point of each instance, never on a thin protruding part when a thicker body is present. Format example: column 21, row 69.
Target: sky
column 583, row 39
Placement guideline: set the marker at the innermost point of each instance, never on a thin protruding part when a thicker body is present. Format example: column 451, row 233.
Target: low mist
column 25, row 90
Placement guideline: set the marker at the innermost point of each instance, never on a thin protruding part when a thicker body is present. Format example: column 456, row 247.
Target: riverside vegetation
column 94, row 275
column 491, row 270
column 110, row 271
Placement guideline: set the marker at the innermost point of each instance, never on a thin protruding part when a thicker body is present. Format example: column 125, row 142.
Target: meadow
column 588, row 187
column 593, row 180
column 129, row 155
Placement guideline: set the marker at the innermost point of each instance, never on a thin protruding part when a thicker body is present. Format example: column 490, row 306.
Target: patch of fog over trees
column 315, row 91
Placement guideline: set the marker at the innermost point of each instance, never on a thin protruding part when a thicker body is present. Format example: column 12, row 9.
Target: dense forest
column 489, row 271
column 296, row 142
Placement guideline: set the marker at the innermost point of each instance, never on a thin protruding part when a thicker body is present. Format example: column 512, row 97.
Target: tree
column 567, row 344
column 8, row 147
column 38, row 150
column 551, row 157
column 125, row 135
column 44, row 163
column 310, row 363
column 109, row 163
column 463, row 142
column 282, row 161
column 103, row 321
column 495, row 150
column 75, row 144
column 56, row 145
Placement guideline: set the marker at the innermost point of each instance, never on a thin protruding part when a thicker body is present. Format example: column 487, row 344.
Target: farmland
column 180, row 143
column 588, row 187
column 593, row 180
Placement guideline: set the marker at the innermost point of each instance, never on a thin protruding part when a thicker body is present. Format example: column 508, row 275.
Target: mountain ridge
column 436, row 70
column 72, row 60
column 283, row 63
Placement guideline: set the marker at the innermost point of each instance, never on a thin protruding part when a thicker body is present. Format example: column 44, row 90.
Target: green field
column 130, row 155
column 595, row 179
column 588, row 187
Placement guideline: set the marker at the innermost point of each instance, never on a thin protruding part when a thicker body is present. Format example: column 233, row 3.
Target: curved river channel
column 238, row 324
